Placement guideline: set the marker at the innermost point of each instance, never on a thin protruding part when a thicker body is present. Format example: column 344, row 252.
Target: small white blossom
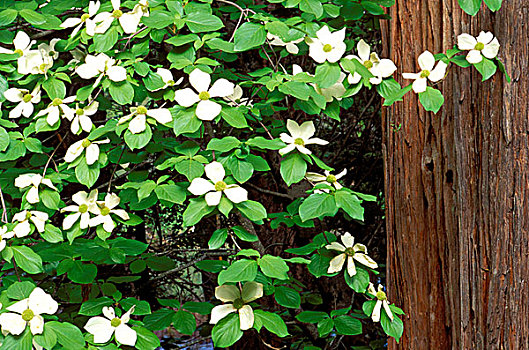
column 33, row 181
column 54, row 109
column 25, row 218
column 290, row 46
column 138, row 118
column 239, row 300
column 382, row 301
column 26, row 61
column 128, row 21
column 25, row 101
column 350, row 251
column 4, row 234
column 86, row 19
column 102, row 328
column 48, row 50
column 81, row 117
column 300, row 136
column 215, row 186
column 236, row 98
column 380, row 68
column 428, row 72
column 100, row 66
column 484, row 45
column 327, row 46
column 103, row 209
column 167, row 78
column 28, row 312
column 86, row 203
column 328, row 178
column 91, row 147
column 206, row 108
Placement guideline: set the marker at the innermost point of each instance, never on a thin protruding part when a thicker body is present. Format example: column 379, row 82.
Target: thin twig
column 4, row 208
column 273, row 193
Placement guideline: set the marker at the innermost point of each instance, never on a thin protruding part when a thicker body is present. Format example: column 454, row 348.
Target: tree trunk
column 457, row 187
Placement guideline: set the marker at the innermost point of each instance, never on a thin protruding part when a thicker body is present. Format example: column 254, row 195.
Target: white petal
column 426, row 60
column 491, row 50
column 162, row 115
column 354, row 78
column 246, row 317
column 70, row 220
column 413, row 76
column 221, row 88
column 213, row 198
column 336, row 263
column 385, row 68
column 100, row 328
column 129, row 22
column 126, row 335
column 363, row 50
column 474, row 56
column 87, row 71
column 315, row 177
column 137, row 124
column 33, row 195
column 117, row 73
column 292, row 48
column 287, row 149
column 365, row 260
column 215, row 171
column 106, row 21
column 335, row 246
column 227, row 293
column 165, row 74
column 375, row 316
column 14, row 94
column 221, row 311
column 387, row 309
column 324, row 34
column 86, row 123
column 186, row 97
column 351, row 268
column 70, row 22
column 19, row 306
column 485, row 37
column 92, row 154
column 306, row 130
column 439, row 72
column 348, row 240
column 336, row 53
column 12, row 323
column 419, row 85
column 316, row 51
column 200, row 186
column 466, row 42
column 236, row 194
column 21, row 41
column 199, row 80
column 316, row 141
column 208, row 110
column 303, row 149
column 36, row 325
column 74, row 151
column 38, row 222
column 22, row 229
column 251, row 291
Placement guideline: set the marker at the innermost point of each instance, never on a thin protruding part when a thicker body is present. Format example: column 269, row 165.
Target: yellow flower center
column 381, row 295
column 479, row 46
column 79, row 111
column 349, row 251
column 86, row 143
column 43, row 67
column 115, row 322
column 327, row 48
column 83, row 208
column 28, row 215
column 299, row 142
column 170, row 82
column 20, row 52
column 105, row 211
column 141, row 110
column 27, row 97
column 238, row 303
column 28, row 315
column 204, row 95
column 117, row 13
column 425, row 74
column 85, row 17
column 331, row 179
column 220, row 186
column 56, row 102
column 368, row 64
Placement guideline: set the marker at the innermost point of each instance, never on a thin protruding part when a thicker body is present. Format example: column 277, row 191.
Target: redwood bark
column 457, row 187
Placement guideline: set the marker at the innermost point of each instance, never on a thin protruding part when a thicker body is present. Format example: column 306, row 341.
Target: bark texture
column 457, row 185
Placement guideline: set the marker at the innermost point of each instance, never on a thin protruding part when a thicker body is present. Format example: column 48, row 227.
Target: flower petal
column 12, row 323
column 251, row 291
column 36, row 325
column 363, row 50
column 200, row 80
column 92, row 153
column 426, row 60
column 439, row 72
column 365, row 260
column 138, row 124
column 419, row 85
column 236, row 194
column 208, row 110
column 221, row 311
column 351, row 268
column 213, row 198
column 491, row 50
column 474, row 56
column 100, row 328
column 186, row 97
column 335, row 246
column 466, row 42
column 200, row 186
column 348, row 240
column 227, row 293
column 387, row 309
column 336, row 263
column 126, row 335
column 162, row 115
column 485, row 37
column 221, row 88
column 215, row 171
column 246, row 317
column 375, row 316
column 117, row 73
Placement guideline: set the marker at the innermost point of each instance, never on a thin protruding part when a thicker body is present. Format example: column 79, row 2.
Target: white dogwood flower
column 48, row 50
column 128, row 21
column 239, row 300
column 380, row 68
column 100, row 66
column 28, row 312
column 102, row 328
column 167, row 78
column 103, row 209
column 81, row 117
column 85, row 19
column 27, row 217
column 299, row 137
column 138, row 118
column 382, row 301
column 26, row 59
column 236, row 98
column 290, row 46
column 428, row 72
column 54, row 109
column 350, row 251
column 327, row 46
column 206, row 108
column 328, row 178
column 86, row 203
column 214, row 186
column 91, row 147
column 25, row 101
column 33, row 181
column 484, row 45
column 4, row 234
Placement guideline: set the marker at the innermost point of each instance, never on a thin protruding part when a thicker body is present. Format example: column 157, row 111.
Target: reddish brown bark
column 457, row 186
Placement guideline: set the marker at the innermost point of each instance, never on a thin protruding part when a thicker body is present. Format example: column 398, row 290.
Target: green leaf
column 493, row 5
column 196, row 210
column 184, row 322
column 293, row 168
column 244, row 235
column 171, row 193
column 218, row 238
column 234, row 117
column 393, row 328
column 32, row 17
column 186, row 122
column 47, row 338
column 223, row 145
column 486, row 68
column 239, row 271
column 147, row 340
column 227, row 331
column 27, row 259
column 297, row 89
column 7, row 17
column 287, row 297
column 347, row 325
column 50, row 199
column 312, row 6
column 350, row 204
column 327, row 74
column 202, row 308
column 158, row 320
column 121, row 92
column 372, row 8
column 198, row 22
column 252, row 210
column 261, row 142
column 55, row 88
column 358, row 282
column 82, row 273
column 325, row 327
column 68, row 335
column 4, row 139
column 248, row 36
column 311, row 316
column 22, row 342
column 317, row 205
column 471, row 7
column 158, row 19
column 87, row 174
column 94, row 307
column 271, row 321
column 106, row 41
column 432, row 99
column 274, row 266
column 20, row 290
